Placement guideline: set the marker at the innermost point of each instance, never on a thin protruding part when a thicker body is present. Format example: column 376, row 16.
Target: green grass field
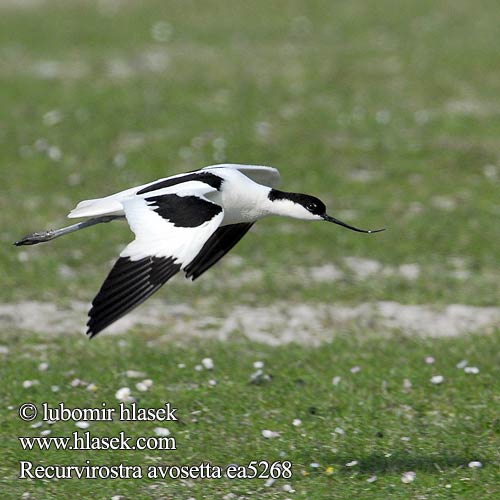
column 389, row 112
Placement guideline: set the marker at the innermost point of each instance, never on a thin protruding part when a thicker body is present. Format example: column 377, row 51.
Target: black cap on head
column 311, row 203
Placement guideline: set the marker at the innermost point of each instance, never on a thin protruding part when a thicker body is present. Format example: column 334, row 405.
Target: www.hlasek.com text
column 86, row 441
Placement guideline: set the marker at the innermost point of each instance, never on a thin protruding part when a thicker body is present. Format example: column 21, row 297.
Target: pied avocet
column 186, row 222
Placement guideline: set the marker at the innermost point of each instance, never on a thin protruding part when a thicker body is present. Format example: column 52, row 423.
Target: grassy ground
column 390, row 112
column 371, row 416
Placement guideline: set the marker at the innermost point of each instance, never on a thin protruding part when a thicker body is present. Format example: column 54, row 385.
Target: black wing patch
column 129, row 283
column 208, row 178
column 184, row 211
column 216, row 247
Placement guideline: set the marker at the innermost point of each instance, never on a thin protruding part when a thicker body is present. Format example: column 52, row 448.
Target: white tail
column 99, row 206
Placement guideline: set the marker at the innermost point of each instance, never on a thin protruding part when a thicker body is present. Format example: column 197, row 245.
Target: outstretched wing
column 267, row 176
column 170, row 231
column 216, row 247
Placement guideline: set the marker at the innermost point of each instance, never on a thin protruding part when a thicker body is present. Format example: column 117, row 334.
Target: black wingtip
column 91, row 333
column 129, row 283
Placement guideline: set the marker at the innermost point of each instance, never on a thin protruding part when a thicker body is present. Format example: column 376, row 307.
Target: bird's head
column 307, row 207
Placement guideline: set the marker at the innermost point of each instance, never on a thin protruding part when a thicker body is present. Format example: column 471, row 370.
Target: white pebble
column 475, row 464
column 437, row 379
column 430, row 360
column 74, row 179
column 207, row 363
column 124, row 394
column 30, row 383
column 259, row 376
column 54, row 388
column 212, row 382
column 288, row 488
column 336, row 380
column 258, row 365
column 41, row 145
column 162, row 31
column 23, row 256
column 120, row 160
column 270, row 482
column 76, row 382
column 269, row 434
column 355, row 369
column 407, row 383
column 134, row 374
column 408, row 477
column 351, row 464
column 54, row 153
column 372, row 479
column 296, row 422
column 45, row 432
column 339, row 430
column 52, row 118
column 490, row 171
column 144, row 385
column 462, row 364
column 219, row 143
column 161, row 431
column 141, row 387
column 43, row 366
column 82, row 424
column 471, row 369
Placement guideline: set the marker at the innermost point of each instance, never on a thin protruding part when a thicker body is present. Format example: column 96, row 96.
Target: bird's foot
column 38, row 237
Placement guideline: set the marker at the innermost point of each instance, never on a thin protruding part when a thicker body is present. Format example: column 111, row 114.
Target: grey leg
column 40, row 237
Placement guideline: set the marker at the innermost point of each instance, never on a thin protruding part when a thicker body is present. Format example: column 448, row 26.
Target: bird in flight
column 186, row 222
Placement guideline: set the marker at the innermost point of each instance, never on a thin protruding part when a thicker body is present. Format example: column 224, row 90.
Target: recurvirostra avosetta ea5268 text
column 186, row 222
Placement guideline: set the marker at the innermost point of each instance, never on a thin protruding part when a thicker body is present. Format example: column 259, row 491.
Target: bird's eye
column 311, row 206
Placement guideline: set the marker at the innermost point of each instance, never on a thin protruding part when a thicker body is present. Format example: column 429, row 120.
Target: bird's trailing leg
column 41, row 237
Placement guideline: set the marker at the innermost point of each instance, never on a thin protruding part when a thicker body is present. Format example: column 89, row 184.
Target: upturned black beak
column 340, row 223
